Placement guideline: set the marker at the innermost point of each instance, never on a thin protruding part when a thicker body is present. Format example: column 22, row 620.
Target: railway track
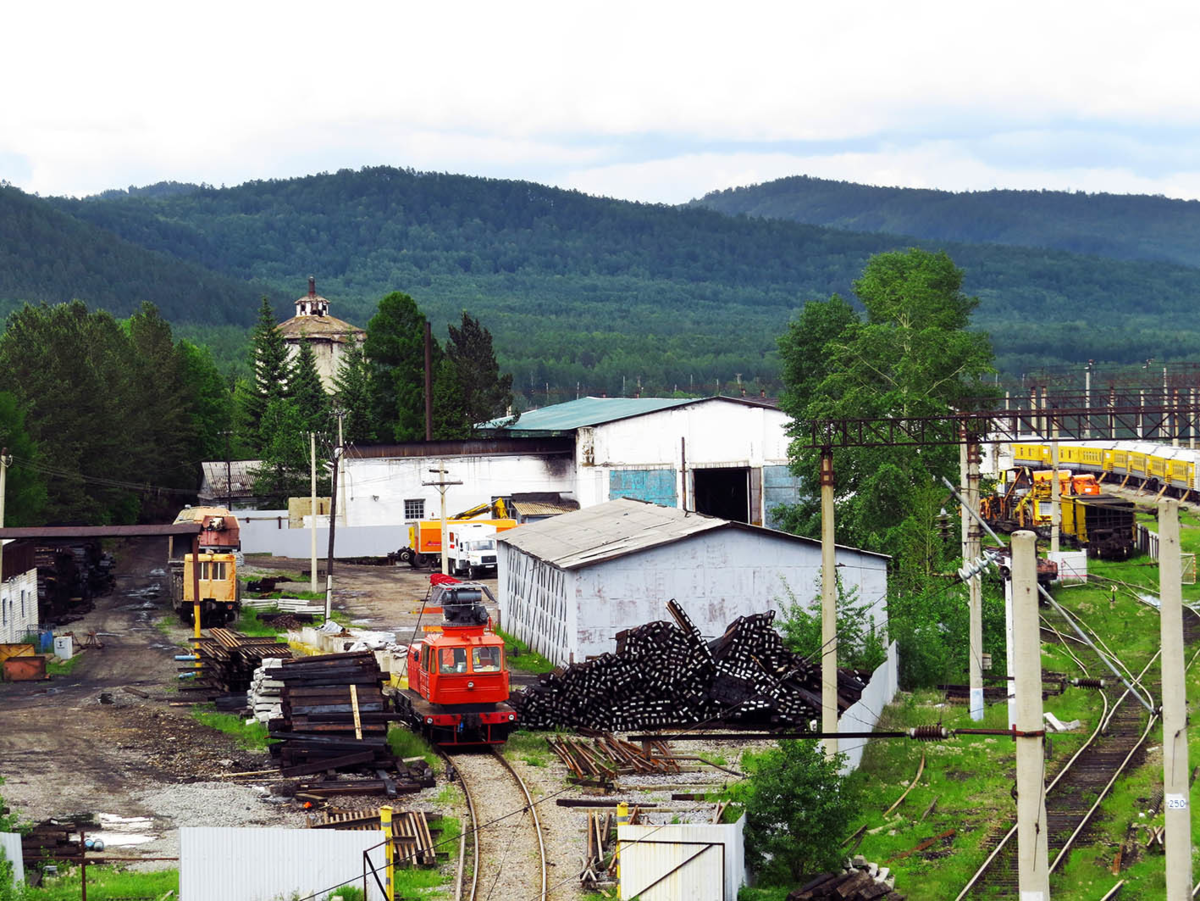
column 1077, row 789
column 507, row 854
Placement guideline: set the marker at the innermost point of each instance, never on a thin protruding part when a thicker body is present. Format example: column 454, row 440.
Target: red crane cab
column 458, row 683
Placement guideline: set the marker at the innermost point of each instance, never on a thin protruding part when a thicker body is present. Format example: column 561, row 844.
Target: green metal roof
column 587, row 411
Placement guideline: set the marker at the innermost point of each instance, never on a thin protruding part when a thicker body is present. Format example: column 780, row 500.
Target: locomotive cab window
column 454, row 660
column 486, row 660
column 425, row 654
column 212, row 569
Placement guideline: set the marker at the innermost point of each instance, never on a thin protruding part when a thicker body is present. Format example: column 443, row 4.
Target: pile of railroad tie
column 666, row 674
column 858, row 880
column 228, row 660
column 333, row 714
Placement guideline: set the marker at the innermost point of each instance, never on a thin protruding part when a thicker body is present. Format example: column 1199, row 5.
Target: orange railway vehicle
column 458, row 680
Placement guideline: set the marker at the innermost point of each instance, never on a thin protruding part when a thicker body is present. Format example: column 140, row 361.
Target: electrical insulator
column 928, row 733
column 974, row 567
column 1088, row 683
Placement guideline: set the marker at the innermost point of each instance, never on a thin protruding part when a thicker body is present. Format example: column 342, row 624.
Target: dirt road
column 84, row 744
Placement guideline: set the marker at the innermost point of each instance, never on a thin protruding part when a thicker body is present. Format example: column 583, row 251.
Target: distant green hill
column 591, row 291
column 1119, row 226
column 46, row 255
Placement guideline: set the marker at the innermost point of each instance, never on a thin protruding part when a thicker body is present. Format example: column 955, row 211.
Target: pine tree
column 268, row 359
column 308, row 393
column 484, row 393
column 283, row 471
column 396, row 348
column 354, row 393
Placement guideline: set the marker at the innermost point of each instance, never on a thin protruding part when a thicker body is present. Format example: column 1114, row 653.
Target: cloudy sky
column 647, row 101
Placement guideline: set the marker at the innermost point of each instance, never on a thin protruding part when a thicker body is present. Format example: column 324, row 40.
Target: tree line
column 107, row 420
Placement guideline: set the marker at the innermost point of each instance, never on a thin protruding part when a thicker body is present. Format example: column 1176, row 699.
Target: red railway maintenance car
column 458, row 680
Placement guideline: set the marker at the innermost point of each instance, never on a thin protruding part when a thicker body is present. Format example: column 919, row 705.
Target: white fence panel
column 863, row 715
column 226, row 864
column 10, row 850
column 267, row 532
column 699, row 863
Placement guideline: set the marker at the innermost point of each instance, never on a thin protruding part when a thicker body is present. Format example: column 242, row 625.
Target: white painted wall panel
column 376, row 488
column 267, row 532
column 10, row 850
column 716, row 576
column 863, row 715
column 18, row 607
column 222, row 864
column 710, row 874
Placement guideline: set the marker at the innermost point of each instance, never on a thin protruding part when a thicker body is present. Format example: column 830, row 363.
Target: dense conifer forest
column 577, row 290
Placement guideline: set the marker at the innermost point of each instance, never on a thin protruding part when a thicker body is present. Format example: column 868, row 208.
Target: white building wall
column 18, row 607
column 710, row 434
column 716, row 576
column 668, row 863
column 376, row 488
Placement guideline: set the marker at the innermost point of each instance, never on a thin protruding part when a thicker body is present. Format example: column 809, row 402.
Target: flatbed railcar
column 1161, row 468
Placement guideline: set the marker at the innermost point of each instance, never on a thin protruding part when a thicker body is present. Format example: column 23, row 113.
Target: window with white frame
column 414, row 509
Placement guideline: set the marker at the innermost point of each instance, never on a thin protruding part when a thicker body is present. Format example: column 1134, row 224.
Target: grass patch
column 249, row 622
column 56, row 666
column 404, row 742
column 253, row 737
column 529, row 747
column 347, row 893
column 450, row 830
column 294, row 595
column 105, row 883
column 521, row 658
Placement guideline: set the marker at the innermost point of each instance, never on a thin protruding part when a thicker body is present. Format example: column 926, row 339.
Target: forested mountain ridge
column 593, row 291
column 46, row 255
column 1118, row 226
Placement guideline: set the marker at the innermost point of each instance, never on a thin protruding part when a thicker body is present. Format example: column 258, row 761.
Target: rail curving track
column 507, row 853
column 1079, row 787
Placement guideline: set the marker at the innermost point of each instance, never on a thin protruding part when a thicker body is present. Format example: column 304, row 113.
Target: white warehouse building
column 723, row 456
column 568, row 585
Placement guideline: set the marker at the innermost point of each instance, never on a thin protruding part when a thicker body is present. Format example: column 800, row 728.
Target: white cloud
column 101, row 95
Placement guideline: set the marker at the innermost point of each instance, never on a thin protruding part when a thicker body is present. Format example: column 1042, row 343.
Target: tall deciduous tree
column 25, row 494
column 395, row 346
column 911, row 356
column 268, row 358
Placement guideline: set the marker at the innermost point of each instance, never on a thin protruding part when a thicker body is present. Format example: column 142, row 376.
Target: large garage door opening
column 723, row 492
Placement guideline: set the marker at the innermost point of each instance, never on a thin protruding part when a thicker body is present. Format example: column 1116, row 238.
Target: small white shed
column 569, row 584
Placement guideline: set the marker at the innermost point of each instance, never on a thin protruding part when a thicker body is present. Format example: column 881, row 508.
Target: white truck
column 472, row 550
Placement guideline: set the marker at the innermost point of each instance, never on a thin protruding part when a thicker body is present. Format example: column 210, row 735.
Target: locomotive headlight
column 470, row 685
column 512, row 716
column 428, row 721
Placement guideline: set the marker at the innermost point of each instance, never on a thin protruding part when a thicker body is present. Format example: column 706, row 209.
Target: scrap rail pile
column 666, row 674
column 228, row 660
column 334, row 719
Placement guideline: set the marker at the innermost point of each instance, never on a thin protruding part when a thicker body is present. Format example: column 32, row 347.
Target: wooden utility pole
column 1174, row 706
column 312, row 451
column 5, row 462
column 1032, row 829
column 829, row 643
column 441, row 485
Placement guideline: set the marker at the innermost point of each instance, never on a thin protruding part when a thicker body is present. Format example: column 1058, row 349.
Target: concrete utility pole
column 1087, row 394
column 312, row 450
column 1174, row 706
column 1010, row 652
column 975, row 583
column 829, row 643
column 441, row 485
column 1032, row 830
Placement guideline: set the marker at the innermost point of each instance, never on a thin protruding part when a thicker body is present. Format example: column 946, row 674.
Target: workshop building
column 568, row 585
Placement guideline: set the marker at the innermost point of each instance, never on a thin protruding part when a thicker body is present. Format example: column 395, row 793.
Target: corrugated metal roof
column 620, row 527
column 586, row 411
column 65, row 532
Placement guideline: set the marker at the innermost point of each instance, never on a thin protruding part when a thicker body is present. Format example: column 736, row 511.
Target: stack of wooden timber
column 859, row 880
column 228, row 660
column 665, row 674
column 608, row 756
column 333, row 715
